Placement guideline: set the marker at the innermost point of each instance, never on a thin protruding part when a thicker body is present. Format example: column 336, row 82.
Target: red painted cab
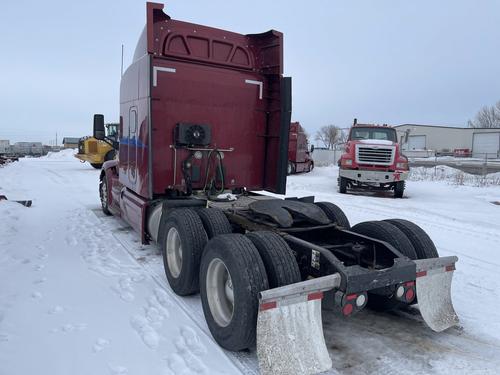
column 202, row 111
column 299, row 154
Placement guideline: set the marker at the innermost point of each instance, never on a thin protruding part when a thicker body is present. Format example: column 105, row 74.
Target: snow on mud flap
column 290, row 329
column 434, row 292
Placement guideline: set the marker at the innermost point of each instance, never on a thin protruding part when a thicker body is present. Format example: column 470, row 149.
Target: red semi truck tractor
column 204, row 124
column 373, row 160
column 299, row 155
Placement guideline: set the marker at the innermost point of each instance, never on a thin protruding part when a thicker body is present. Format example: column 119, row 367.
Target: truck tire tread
column 214, row 221
column 193, row 239
column 399, row 189
column 334, row 213
column 387, row 232
column 280, row 264
column 248, row 276
column 423, row 244
column 342, row 185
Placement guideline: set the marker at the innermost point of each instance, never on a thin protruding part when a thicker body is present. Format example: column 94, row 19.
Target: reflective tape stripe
column 268, row 305
column 258, row 83
column 157, row 69
column 421, row 273
column 315, row 295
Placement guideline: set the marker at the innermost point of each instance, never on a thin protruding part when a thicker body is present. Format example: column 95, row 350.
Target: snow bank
column 66, row 154
column 453, row 176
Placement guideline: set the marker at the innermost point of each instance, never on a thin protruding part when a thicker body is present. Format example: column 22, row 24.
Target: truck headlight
column 402, row 166
column 348, row 161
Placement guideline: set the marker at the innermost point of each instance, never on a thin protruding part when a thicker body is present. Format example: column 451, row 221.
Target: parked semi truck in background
column 204, row 123
column 299, row 154
column 95, row 151
column 373, row 160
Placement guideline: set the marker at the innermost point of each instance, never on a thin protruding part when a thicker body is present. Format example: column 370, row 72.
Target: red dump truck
column 299, row 154
column 373, row 160
column 204, row 122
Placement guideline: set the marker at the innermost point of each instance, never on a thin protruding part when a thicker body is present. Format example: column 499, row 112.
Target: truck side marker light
column 350, row 297
column 347, row 309
column 410, row 295
column 400, row 291
column 360, row 300
column 157, row 69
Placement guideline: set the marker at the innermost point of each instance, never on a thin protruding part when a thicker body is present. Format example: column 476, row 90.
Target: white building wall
column 27, row 148
column 4, row 146
column 326, row 157
column 439, row 138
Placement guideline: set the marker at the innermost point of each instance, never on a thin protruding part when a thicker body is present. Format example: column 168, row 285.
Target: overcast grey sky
column 431, row 62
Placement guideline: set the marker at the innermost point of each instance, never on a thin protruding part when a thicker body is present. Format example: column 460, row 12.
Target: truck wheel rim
column 104, row 194
column 174, row 252
column 220, row 292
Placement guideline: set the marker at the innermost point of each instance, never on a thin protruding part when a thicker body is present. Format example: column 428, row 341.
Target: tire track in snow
column 385, row 330
column 148, row 324
column 147, row 259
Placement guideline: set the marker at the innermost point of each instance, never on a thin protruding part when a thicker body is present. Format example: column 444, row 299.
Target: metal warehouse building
column 483, row 143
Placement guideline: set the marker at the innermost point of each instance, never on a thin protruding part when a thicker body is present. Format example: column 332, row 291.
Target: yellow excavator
column 96, row 152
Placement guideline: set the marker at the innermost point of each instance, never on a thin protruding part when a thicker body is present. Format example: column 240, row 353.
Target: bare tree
column 487, row 117
column 328, row 135
column 344, row 135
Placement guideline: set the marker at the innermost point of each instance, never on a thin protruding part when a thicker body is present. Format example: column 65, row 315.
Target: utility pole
column 122, row 62
column 56, row 138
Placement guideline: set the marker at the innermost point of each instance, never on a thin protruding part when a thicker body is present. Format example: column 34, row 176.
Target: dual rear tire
column 406, row 237
column 201, row 254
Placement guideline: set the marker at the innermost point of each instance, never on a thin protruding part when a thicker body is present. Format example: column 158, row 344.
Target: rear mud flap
column 290, row 329
column 433, row 285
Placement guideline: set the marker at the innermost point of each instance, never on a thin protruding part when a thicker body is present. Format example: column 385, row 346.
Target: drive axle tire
column 103, row 194
column 342, row 185
column 280, row 264
column 96, row 165
column 334, row 213
column 214, row 221
column 399, row 189
column 387, row 232
column 182, row 241
column 424, row 247
column 231, row 276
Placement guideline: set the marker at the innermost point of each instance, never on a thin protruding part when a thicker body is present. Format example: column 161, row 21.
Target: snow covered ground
column 79, row 294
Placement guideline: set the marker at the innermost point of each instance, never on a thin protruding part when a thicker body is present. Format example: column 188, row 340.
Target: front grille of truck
column 375, row 155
